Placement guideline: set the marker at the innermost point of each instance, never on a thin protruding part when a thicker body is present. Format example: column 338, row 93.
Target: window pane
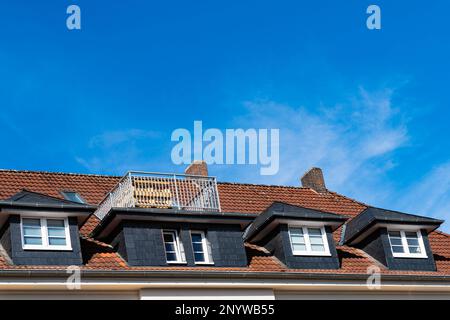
column 316, row 240
column 57, row 241
column 414, row 249
column 168, row 237
column 395, row 234
column 171, row 256
column 31, row 231
column 297, row 239
column 317, row 247
column 170, row 244
column 55, row 223
column 412, row 235
column 31, row 222
column 56, row 232
column 199, row 257
column 397, row 249
column 314, row 232
column 196, row 237
column 32, row 240
column 298, row 247
column 297, row 232
column 170, row 247
column 396, row 241
column 412, row 242
column 197, row 247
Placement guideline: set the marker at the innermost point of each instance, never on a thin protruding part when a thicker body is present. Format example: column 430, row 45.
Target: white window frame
column 177, row 245
column 308, row 251
column 44, row 235
column 206, row 253
column 406, row 253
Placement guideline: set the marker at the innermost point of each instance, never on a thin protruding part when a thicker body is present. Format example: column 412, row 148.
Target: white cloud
column 356, row 144
column 112, row 138
column 429, row 195
column 353, row 142
column 120, row 151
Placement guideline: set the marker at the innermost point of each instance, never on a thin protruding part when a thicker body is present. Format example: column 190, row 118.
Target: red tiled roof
column 92, row 188
column 234, row 197
column 89, row 225
column 251, row 198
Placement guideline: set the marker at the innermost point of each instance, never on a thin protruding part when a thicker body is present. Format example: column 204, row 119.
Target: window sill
column 46, row 249
column 312, row 254
column 176, row 262
column 407, row 256
column 205, row 263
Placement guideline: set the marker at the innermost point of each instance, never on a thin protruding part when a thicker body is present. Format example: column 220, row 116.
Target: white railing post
column 176, row 192
column 110, row 200
column 217, row 198
column 132, row 202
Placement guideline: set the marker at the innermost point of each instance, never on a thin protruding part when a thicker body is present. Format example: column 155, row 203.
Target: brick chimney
column 198, row 168
column 314, row 179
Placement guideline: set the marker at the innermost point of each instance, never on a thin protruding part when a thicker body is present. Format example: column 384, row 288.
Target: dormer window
column 202, row 254
column 45, row 234
column 309, row 241
column 173, row 247
column 406, row 244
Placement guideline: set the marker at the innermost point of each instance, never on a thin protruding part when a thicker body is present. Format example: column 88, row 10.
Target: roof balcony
column 162, row 190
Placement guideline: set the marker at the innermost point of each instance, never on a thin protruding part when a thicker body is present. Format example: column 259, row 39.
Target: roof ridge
column 335, row 194
column 60, row 173
column 263, row 185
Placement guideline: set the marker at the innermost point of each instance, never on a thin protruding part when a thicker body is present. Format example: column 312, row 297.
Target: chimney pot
column 313, row 179
column 198, row 168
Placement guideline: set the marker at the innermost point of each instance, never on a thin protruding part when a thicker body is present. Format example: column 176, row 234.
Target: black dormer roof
column 26, row 196
column 29, row 201
column 285, row 211
column 371, row 216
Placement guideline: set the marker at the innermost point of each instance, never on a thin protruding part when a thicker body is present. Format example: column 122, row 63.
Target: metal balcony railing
column 162, row 190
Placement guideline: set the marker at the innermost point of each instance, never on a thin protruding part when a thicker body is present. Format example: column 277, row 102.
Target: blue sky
column 369, row 107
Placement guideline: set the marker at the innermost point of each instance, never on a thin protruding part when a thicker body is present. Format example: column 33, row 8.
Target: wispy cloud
column 113, row 138
column 120, row 151
column 354, row 142
column 429, row 195
column 357, row 144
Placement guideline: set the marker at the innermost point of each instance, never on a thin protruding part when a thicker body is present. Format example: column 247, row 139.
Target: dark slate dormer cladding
column 28, row 203
column 271, row 230
column 369, row 232
column 136, row 233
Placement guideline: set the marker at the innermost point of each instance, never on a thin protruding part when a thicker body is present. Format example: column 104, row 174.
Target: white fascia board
column 288, row 285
